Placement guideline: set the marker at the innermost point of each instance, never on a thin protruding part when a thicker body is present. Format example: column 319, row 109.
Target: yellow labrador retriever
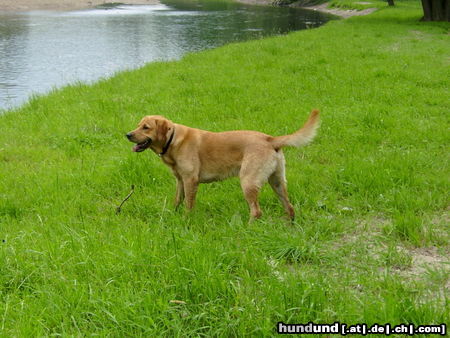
column 199, row 156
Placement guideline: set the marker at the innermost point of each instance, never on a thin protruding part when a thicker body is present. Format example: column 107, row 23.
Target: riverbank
column 323, row 7
column 63, row 5
column 370, row 243
column 343, row 13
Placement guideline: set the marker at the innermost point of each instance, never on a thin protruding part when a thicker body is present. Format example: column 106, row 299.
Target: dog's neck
column 167, row 145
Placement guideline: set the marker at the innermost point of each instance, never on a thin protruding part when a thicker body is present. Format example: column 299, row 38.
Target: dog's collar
column 166, row 147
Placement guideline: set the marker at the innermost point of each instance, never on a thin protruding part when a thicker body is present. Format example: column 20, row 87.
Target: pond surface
column 41, row 50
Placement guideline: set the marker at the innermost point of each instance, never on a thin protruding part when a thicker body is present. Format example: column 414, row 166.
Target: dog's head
column 153, row 131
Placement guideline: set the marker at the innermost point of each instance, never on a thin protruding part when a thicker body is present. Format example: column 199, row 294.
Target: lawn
column 371, row 240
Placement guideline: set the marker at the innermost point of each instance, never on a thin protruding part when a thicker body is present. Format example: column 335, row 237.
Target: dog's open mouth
column 142, row 146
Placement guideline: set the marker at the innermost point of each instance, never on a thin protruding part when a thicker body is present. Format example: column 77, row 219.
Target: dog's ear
column 162, row 130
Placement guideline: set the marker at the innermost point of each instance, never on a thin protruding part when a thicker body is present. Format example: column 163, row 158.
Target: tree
column 390, row 2
column 436, row 10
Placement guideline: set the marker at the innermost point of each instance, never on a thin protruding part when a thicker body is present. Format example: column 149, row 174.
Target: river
column 41, row 50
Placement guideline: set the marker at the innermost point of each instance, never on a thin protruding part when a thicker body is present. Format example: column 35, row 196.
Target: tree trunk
column 436, row 10
column 390, row 2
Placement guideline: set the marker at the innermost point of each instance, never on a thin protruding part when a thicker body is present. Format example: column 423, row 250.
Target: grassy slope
column 371, row 190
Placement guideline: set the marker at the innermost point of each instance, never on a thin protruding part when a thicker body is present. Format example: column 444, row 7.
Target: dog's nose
column 129, row 135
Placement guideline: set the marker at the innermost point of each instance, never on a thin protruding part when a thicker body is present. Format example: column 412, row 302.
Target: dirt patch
column 426, row 259
column 430, row 267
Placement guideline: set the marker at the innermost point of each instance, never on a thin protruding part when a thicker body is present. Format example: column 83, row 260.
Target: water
column 41, row 50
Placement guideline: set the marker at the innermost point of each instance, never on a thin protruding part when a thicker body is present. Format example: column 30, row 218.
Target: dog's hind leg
column 254, row 172
column 278, row 183
column 251, row 192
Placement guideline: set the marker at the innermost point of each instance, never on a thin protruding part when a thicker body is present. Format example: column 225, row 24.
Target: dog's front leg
column 190, row 190
column 179, row 197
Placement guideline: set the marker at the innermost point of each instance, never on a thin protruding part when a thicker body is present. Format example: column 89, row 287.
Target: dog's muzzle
column 142, row 146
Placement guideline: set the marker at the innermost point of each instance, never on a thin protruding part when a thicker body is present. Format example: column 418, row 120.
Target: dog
column 199, row 156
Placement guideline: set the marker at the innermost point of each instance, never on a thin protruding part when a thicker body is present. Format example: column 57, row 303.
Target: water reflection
column 13, row 41
column 40, row 50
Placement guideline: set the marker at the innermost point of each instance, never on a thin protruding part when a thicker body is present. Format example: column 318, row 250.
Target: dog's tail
column 302, row 136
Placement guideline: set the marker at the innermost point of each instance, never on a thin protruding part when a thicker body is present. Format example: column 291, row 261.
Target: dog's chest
column 168, row 161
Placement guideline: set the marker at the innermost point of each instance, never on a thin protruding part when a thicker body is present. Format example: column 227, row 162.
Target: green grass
column 371, row 191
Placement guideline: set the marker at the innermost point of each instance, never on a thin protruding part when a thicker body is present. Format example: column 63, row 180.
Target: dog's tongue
column 141, row 146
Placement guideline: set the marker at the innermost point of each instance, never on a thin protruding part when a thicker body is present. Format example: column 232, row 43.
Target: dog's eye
column 145, row 127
